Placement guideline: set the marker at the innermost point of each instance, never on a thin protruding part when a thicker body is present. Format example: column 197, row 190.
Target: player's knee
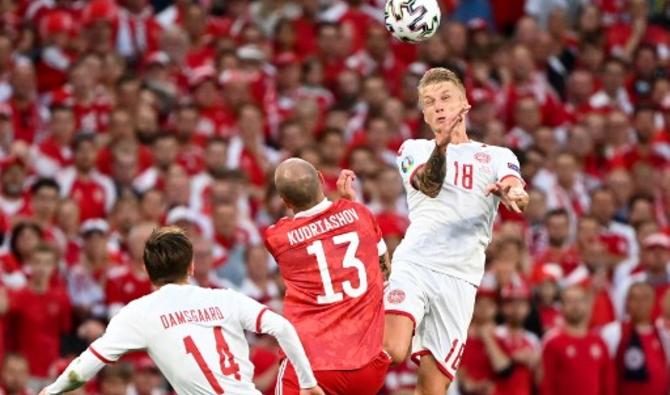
column 397, row 351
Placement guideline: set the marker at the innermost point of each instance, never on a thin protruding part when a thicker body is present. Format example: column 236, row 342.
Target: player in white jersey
column 195, row 335
column 454, row 186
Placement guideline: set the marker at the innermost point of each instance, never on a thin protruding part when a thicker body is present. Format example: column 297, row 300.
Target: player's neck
column 309, row 206
column 460, row 137
column 577, row 330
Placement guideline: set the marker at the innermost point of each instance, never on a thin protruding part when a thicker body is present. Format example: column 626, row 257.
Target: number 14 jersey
column 328, row 257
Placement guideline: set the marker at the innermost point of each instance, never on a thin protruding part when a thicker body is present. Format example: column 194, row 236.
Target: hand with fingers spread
column 443, row 135
column 513, row 197
column 345, row 184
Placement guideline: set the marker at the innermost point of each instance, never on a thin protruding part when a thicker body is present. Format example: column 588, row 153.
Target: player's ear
column 323, row 180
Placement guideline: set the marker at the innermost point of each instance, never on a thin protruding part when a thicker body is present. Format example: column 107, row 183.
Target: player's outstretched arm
column 277, row 326
column 429, row 178
column 77, row 374
column 511, row 193
column 385, row 265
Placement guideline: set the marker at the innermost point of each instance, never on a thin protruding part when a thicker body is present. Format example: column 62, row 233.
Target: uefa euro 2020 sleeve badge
column 407, row 164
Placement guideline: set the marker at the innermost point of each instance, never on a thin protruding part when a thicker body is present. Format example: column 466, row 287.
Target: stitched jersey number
column 228, row 365
column 350, row 260
column 465, row 173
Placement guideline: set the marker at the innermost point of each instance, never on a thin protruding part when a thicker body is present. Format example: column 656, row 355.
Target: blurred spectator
column 146, row 379
column 520, row 348
column 574, row 360
column 636, row 346
column 483, row 359
column 15, row 375
column 39, row 314
column 115, row 379
column 13, row 178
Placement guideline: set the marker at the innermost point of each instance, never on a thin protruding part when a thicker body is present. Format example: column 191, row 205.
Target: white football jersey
column 449, row 233
column 194, row 335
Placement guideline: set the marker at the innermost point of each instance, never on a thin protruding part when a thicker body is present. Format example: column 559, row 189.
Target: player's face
column 440, row 102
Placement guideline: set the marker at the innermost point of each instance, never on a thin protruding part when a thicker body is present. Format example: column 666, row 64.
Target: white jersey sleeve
column 258, row 318
column 413, row 155
column 507, row 165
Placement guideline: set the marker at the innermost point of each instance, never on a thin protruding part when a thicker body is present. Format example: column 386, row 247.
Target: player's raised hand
column 312, row 391
column 443, row 135
column 345, row 184
column 514, row 198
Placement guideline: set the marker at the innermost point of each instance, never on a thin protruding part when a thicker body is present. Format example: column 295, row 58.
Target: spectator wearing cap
column 89, row 100
column 483, row 357
column 559, row 250
column 15, row 375
column 93, row 191
column 636, row 345
column 26, row 120
column 545, row 281
column 99, row 18
column 160, row 76
column 40, row 313
column 575, row 360
column 128, row 282
column 13, row 175
column 520, row 347
column 56, row 30
column 652, row 269
column 86, row 279
column 55, row 153
column 147, row 379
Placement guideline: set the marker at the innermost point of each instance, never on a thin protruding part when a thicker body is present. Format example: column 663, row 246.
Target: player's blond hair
column 440, row 74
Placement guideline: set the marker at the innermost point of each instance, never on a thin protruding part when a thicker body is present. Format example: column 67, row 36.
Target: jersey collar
column 319, row 208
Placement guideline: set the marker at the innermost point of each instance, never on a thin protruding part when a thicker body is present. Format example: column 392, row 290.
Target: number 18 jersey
column 329, row 259
column 449, row 233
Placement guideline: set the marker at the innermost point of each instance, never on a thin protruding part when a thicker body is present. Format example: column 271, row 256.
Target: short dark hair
column 81, row 138
column 557, row 212
column 168, row 253
column 44, row 182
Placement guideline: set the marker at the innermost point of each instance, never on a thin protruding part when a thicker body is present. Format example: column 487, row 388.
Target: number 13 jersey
column 328, row 257
column 449, row 233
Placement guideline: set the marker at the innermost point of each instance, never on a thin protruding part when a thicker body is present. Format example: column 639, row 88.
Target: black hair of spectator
column 644, row 107
column 168, row 254
column 17, row 231
column 602, row 189
column 126, row 78
column 557, row 212
column 162, row 135
column 44, row 182
column 81, row 138
column 328, row 132
column 640, row 197
column 81, row 59
column 645, row 46
column 59, row 107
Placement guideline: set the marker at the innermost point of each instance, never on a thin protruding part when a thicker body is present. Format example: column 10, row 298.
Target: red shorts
column 367, row 380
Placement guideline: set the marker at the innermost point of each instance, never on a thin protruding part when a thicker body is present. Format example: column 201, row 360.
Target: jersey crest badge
column 396, row 296
column 513, row 167
column 483, row 157
column 407, row 164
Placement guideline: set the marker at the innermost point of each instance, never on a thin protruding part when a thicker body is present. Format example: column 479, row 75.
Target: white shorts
column 441, row 308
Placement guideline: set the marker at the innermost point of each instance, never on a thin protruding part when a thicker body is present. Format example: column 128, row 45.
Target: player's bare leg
column 398, row 331
column 431, row 380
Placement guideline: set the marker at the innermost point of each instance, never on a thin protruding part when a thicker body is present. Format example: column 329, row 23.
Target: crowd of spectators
column 118, row 116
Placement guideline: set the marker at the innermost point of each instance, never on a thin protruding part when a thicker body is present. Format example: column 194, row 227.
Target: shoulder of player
column 414, row 145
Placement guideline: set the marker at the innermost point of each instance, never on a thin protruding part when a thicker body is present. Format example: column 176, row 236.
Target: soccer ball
column 412, row 20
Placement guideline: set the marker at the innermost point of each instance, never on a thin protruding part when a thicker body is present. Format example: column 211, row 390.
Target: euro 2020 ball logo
column 406, row 164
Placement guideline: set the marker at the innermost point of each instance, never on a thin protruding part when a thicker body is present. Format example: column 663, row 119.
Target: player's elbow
column 430, row 192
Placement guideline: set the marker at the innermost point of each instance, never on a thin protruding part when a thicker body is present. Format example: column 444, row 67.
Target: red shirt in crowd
column 475, row 363
column 37, row 322
column 576, row 365
column 124, row 285
column 520, row 382
column 341, row 238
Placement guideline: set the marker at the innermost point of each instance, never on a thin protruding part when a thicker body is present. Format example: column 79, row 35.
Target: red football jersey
column 329, row 259
column 576, row 365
